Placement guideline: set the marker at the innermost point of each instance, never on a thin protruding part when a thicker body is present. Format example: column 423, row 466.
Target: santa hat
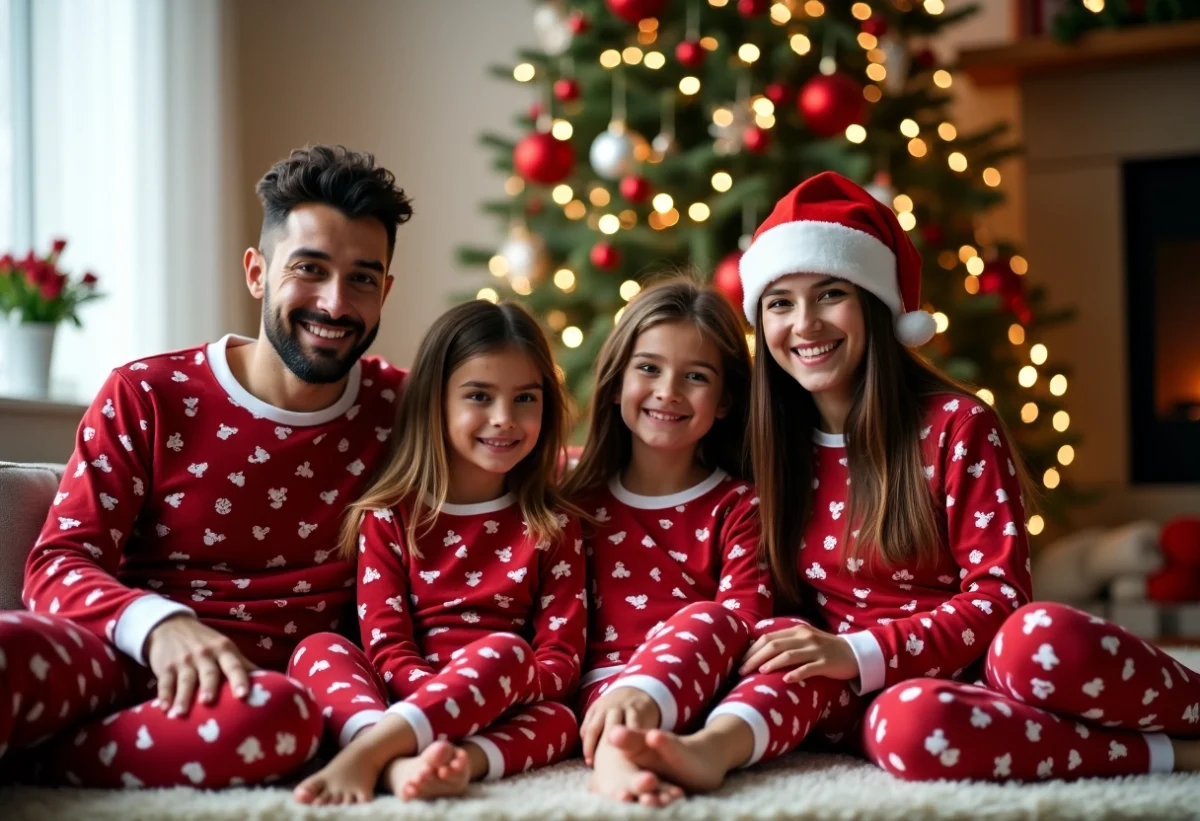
column 830, row 225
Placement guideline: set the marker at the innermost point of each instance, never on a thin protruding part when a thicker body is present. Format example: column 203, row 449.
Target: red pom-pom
column 876, row 25
column 1180, row 542
column 728, row 280
column 830, row 103
column 756, row 140
column 578, row 23
column 753, row 8
column 604, row 256
column 541, row 158
column 690, row 54
column 777, row 93
column 635, row 189
column 566, row 89
column 631, row 11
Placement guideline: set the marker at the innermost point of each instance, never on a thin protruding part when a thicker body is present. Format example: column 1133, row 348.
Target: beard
column 316, row 366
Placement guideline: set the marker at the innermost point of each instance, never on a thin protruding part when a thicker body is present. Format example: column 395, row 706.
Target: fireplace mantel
column 1040, row 57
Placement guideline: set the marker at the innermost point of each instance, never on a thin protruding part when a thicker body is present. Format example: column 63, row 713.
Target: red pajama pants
column 682, row 665
column 482, row 696
column 57, row 676
column 1067, row 695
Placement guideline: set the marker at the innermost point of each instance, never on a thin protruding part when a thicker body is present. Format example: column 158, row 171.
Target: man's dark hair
column 335, row 176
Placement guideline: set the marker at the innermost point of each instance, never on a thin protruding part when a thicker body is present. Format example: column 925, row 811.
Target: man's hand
column 812, row 652
column 184, row 654
column 621, row 706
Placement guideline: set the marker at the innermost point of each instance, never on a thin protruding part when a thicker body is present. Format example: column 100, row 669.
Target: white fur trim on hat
column 809, row 247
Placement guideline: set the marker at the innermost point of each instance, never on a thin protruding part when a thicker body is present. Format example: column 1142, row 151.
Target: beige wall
column 407, row 80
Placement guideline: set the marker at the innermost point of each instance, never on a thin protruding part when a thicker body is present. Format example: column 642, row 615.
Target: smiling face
column 814, row 329
column 494, row 407
column 672, row 389
column 322, row 289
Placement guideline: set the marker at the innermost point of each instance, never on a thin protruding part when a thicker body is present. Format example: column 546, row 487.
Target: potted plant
column 35, row 296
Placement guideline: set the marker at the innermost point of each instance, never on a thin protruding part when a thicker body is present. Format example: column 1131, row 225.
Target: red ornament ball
column 540, row 158
column 604, row 256
column 578, row 23
column 566, row 89
column 753, row 8
column 830, row 103
column 632, row 11
column 777, row 93
column 635, row 189
column 690, row 54
column 998, row 278
column 1180, row 542
column 925, row 59
column 876, row 25
column 728, row 280
column 756, row 140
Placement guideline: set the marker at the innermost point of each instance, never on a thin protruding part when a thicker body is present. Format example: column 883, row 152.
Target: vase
column 28, row 347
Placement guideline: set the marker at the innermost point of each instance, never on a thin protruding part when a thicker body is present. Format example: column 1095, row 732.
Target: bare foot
column 681, row 760
column 349, row 778
column 615, row 776
column 440, row 770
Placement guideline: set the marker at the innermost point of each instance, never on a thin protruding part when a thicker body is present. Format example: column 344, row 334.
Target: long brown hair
column 419, row 467
column 678, row 298
column 890, row 503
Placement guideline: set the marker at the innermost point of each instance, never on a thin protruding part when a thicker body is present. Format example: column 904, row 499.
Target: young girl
column 470, row 581
column 675, row 526
column 893, row 520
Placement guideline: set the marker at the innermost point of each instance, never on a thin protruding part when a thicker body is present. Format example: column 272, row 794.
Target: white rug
column 802, row 786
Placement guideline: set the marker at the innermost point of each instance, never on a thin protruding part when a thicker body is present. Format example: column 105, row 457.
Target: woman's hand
column 625, row 706
column 812, row 652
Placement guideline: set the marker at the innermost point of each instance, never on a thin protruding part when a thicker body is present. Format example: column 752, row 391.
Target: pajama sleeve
column 560, row 618
column 383, row 603
column 745, row 586
column 71, row 570
column 985, row 530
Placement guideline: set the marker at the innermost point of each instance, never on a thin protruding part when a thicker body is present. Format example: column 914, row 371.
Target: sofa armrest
column 26, row 493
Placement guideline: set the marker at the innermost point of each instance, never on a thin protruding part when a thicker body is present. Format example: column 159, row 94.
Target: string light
column 716, row 4
column 947, row 260
column 764, row 120
column 967, row 252
column 861, row 11
column 556, row 319
column 575, row 210
column 562, row 130
column 867, row 41
column 599, row 196
column 902, row 203
column 748, row 52
column 1036, row 525
column 877, row 55
column 498, row 266
column 814, row 8
column 1094, row 6
column 564, row 279
column 670, row 218
column 721, row 181
column 709, row 43
column 655, row 60
column 876, row 72
column 1019, row 265
column 907, row 220
column 698, row 211
column 488, row 294
column 871, row 93
column 991, row 177
column 1016, row 334
column 780, row 14
column 947, row 132
column 722, row 117
column 941, row 78
column 689, row 85
column 763, row 106
column 514, row 185
column 1066, row 455
column 609, row 224
column 941, row 322
column 632, row 55
column 610, row 58
column 1058, row 384
column 935, row 6
column 617, row 315
column 1029, row 413
column 800, row 44
column 1061, row 421
column 986, row 396
column 957, row 161
column 1051, row 478
column 856, row 133
column 975, row 266
column 909, row 127
column 662, row 202
column 629, row 289
column 971, row 284
column 523, row 72
column 1027, row 376
column 1038, row 354
column 628, row 218
column 917, row 147
column 522, row 286
column 572, row 337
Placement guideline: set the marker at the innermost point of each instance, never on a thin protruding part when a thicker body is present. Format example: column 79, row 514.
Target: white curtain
column 132, row 166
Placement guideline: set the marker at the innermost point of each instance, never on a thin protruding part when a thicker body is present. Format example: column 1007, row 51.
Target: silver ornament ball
column 614, row 152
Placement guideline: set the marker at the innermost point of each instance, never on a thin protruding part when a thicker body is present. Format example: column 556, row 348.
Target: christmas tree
column 663, row 131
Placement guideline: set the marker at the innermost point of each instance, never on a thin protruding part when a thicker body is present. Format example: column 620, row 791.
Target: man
column 193, row 540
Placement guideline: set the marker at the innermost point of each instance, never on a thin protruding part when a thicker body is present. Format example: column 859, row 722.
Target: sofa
column 801, row 786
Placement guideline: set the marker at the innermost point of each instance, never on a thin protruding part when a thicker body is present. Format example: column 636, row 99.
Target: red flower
column 59, row 245
column 7, row 262
column 52, row 286
column 90, row 279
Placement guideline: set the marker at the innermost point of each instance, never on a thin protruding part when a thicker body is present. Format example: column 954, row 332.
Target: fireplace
column 1162, row 279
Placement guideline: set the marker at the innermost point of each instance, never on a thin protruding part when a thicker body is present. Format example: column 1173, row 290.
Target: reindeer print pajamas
column 186, row 494
column 478, row 638
column 676, row 590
